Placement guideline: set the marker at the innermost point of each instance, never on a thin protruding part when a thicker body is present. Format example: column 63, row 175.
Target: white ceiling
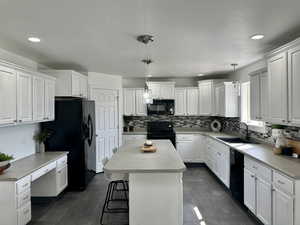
column 191, row 36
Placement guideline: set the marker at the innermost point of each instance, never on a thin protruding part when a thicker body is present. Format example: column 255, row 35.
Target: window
column 245, row 110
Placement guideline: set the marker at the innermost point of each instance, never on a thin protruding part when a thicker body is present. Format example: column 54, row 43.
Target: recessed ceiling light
column 257, row 37
column 200, row 74
column 34, row 39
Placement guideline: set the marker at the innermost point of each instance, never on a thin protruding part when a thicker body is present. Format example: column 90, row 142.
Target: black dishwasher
column 237, row 175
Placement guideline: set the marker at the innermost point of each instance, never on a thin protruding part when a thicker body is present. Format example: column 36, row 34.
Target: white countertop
column 27, row 165
column 130, row 159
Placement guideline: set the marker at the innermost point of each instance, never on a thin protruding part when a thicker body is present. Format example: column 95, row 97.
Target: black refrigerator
column 74, row 131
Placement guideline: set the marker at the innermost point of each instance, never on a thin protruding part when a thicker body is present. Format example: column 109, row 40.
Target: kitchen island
column 155, row 182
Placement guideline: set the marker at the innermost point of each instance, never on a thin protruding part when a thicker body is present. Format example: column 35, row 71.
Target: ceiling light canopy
column 34, row 39
column 257, row 37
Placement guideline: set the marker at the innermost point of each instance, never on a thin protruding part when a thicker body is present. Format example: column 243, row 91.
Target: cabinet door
column 264, row 201
column 283, row 208
column 167, row 91
column 155, row 90
column 293, row 86
column 38, row 99
column 205, row 99
column 24, row 97
column 75, row 84
column 222, row 103
column 250, row 190
column 192, row 101
column 277, row 69
column 180, row 101
column 62, row 179
column 83, row 86
column 49, row 99
column 140, row 105
column 255, row 97
column 129, row 101
column 264, row 97
column 8, row 96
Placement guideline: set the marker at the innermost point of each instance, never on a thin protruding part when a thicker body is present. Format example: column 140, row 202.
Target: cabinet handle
column 254, row 167
column 273, row 189
column 20, row 121
column 284, row 121
column 280, row 182
column 15, row 121
column 252, row 176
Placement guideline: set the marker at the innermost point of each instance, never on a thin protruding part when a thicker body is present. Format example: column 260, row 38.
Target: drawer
column 23, row 184
column 23, row 198
column 264, row 172
column 250, row 164
column 42, row 171
column 24, row 214
column 62, row 162
column 283, row 183
column 181, row 137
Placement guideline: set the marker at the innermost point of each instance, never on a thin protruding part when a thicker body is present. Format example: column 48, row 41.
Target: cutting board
column 148, row 149
column 295, row 145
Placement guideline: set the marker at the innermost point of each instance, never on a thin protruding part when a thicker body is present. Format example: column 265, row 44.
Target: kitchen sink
column 236, row 140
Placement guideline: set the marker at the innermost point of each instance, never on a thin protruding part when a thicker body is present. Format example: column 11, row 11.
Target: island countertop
column 27, row 165
column 130, row 159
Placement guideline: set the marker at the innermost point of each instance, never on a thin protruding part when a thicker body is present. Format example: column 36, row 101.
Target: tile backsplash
column 230, row 125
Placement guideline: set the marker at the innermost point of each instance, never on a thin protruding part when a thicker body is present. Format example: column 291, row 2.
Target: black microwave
column 161, row 107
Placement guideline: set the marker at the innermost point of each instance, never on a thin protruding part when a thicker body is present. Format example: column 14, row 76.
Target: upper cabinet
column 70, row 83
column 283, row 78
column 180, row 102
column 133, row 102
column 25, row 96
column 8, row 96
column 226, row 99
column 259, row 95
column 277, row 69
column 162, row 90
column 192, row 105
column 206, row 98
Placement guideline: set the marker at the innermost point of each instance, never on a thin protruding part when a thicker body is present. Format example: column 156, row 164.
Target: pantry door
column 107, row 124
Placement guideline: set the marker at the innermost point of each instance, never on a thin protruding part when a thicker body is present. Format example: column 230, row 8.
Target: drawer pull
column 280, row 182
column 252, row 176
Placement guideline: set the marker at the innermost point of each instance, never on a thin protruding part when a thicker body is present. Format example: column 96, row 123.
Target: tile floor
column 201, row 192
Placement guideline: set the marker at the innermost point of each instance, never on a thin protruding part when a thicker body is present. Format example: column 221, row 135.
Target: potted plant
column 5, row 159
column 41, row 138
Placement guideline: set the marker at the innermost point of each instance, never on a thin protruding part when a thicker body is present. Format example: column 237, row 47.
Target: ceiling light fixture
column 200, row 74
column 257, row 37
column 234, row 65
column 34, row 39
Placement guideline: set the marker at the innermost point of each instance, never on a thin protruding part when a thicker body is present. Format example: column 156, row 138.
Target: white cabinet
column 192, row 101
column 8, row 96
column 283, row 208
column 250, row 190
column 277, row 69
column 38, row 100
column 180, row 101
column 129, row 101
column 259, row 104
column 134, row 102
column 218, row 160
column 162, row 90
column 24, row 97
column 258, row 190
column 293, row 85
column 49, row 99
column 226, row 99
column 190, row 147
column 206, row 98
column 69, row 83
column 140, row 105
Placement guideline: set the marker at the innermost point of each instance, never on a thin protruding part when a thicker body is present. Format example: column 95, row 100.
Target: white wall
column 18, row 140
column 111, row 82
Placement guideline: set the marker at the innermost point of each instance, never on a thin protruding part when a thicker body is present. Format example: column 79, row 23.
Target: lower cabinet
column 190, row 147
column 264, row 201
column 218, row 160
column 283, row 206
column 250, row 190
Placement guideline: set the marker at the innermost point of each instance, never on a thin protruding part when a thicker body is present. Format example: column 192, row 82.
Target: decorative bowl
column 4, row 163
column 3, row 168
